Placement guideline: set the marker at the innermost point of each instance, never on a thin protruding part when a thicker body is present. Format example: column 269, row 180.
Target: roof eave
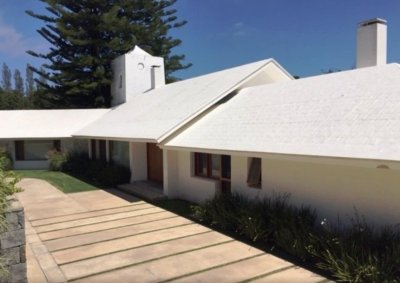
column 334, row 160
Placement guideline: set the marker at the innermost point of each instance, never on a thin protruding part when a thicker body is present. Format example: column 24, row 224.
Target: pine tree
column 86, row 35
column 6, row 78
column 18, row 83
column 29, row 81
column 40, row 98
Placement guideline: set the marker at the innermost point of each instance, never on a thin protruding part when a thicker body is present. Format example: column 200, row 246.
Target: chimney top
column 372, row 21
column 371, row 43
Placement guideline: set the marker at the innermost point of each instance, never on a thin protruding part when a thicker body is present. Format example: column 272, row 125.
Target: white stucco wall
column 118, row 88
column 332, row 189
column 135, row 72
column 181, row 183
column 138, row 161
column 31, row 164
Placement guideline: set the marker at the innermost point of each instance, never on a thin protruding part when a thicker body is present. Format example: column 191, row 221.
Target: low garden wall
column 12, row 243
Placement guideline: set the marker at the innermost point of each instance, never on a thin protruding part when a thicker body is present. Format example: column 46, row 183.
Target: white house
column 150, row 117
column 331, row 141
column 28, row 135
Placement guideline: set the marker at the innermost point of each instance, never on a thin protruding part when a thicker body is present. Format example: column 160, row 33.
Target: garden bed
column 355, row 253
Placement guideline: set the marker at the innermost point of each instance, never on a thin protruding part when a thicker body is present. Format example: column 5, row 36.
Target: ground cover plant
column 347, row 253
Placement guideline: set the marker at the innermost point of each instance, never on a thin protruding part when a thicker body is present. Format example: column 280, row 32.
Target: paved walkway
column 107, row 236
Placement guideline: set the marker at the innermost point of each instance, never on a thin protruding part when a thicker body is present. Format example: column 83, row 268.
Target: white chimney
column 135, row 72
column 371, row 43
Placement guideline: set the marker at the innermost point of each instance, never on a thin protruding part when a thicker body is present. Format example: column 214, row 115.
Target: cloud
column 238, row 25
column 239, row 29
column 15, row 44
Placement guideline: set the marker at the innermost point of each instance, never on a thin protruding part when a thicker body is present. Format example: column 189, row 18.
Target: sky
column 307, row 37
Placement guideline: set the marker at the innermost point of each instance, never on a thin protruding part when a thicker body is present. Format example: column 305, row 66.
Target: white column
column 165, row 172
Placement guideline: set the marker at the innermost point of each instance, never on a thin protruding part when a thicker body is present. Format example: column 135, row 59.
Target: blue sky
column 305, row 37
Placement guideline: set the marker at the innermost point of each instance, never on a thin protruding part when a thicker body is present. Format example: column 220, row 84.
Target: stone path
column 106, row 236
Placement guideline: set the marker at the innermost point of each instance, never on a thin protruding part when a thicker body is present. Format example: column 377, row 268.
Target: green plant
column 354, row 253
column 359, row 252
column 78, row 163
column 99, row 171
column 57, row 160
column 114, row 175
column 5, row 160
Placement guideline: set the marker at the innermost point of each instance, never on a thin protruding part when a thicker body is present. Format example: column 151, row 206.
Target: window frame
column 198, row 169
column 20, row 149
column 251, row 175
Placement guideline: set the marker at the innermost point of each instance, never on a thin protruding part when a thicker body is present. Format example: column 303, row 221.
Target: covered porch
column 144, row 159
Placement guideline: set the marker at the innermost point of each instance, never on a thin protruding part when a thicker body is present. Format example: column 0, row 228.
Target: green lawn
column 62, row 181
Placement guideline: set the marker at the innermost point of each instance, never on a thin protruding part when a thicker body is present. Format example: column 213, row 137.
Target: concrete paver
column 181, row 264
column 97, row 219
column 118, row 233
column 100, row 199
column 35, row 272
column 141, row 254
column 83, row 215
column 239, row 271
column 102, row 248
column 106, row 225
column 44, row 206
column 105, row 236
column 291, row 275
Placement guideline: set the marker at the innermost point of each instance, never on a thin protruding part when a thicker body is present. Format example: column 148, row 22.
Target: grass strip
column 64, row 182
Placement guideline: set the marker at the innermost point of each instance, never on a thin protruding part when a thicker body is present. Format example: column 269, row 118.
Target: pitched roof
column 153, row 115
column 21, row 124
column 351, row 114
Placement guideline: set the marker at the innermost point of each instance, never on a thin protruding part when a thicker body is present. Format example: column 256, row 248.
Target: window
column 35, row 149
column 19, row 150
column 208, row 165
column 119, row 153
column 214, row 166
column 102, row 150
column 99, row 151
column 254, row 173
column 57, row 145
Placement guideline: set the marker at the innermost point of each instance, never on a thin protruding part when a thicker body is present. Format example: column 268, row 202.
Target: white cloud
column 15, row 44
column 239, row 29
column 238, row 25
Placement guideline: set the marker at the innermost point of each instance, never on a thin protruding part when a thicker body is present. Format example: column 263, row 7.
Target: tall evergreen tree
column 6, row 78
column 18, row 83
column 29, row 81
column 86, row 35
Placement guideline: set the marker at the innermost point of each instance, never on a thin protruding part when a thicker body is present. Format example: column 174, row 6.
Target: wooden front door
column 154, row 163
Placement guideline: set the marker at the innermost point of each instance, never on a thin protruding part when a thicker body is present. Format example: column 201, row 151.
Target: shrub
column 57, row 160
column 77, row 163
column 100, row 171
column 355, row 253
column 114, row 175
column 358, row 253
column 5, row 160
